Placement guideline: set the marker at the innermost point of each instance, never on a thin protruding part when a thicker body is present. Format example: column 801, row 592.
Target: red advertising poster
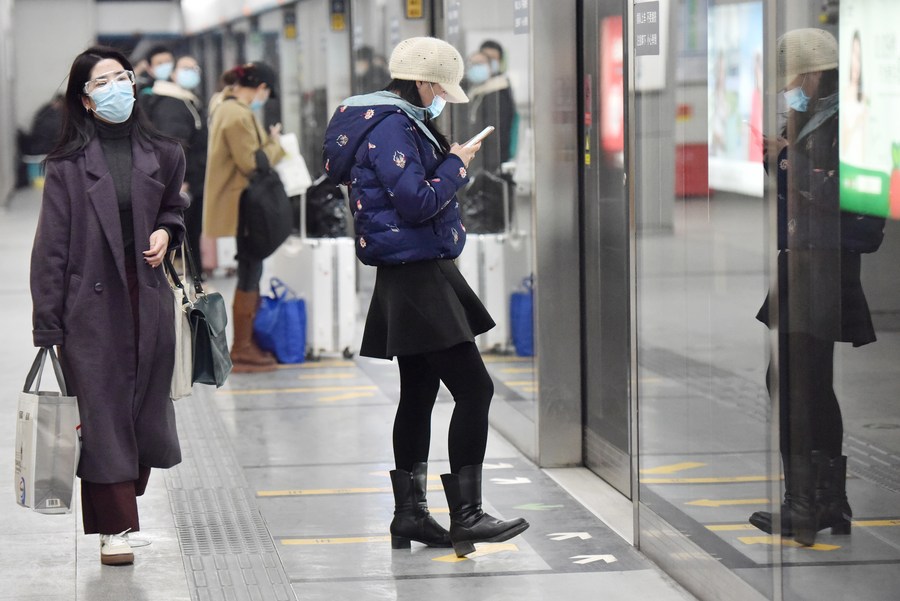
column 612, row 86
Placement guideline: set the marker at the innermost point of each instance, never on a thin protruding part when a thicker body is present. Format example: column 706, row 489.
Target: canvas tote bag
column 48, row 442
column 181, row 385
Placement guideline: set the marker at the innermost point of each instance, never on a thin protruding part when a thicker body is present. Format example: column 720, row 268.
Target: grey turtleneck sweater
column 115, row 139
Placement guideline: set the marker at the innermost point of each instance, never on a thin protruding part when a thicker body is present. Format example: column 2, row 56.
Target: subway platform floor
column 284, row 494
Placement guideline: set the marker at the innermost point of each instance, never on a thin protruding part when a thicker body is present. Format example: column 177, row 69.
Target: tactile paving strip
column 727, row 388
column 228, row 551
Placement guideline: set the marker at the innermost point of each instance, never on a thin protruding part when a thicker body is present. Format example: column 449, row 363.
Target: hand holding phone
column 479, row 136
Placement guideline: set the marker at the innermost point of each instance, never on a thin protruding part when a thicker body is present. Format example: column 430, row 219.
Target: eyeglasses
column 105, row 79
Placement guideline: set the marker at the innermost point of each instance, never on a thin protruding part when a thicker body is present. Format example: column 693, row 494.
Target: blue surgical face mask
column 187, row 78
column 797, row 99
column 437, row 105
column 478, row 73
column 163, row 70
column 114, row 102
column 495, row 65
column 257, row 104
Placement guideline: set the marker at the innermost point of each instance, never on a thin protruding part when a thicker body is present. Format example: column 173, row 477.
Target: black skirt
column 419, row 308
column 821, row 294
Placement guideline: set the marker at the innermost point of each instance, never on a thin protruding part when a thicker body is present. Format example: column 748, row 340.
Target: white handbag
column 48, row 442
column 184, row 361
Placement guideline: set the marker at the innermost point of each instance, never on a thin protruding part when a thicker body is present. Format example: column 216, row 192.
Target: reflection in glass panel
column 701, row 278
column 496, row 206
column 839, row 299
column 708, row 302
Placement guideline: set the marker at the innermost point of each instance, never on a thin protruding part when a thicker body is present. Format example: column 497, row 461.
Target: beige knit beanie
column 432, row 60
column 805, row 51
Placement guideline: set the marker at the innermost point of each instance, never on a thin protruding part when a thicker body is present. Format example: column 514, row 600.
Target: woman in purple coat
column 111, row 210
column 403, row 176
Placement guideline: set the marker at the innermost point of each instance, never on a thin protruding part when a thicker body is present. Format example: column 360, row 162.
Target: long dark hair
column 408, row 91
column 78, row 124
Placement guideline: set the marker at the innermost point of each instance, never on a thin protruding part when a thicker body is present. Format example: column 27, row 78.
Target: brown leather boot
column 245, row 354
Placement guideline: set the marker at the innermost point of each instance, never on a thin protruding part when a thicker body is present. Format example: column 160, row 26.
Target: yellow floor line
column 253, row 391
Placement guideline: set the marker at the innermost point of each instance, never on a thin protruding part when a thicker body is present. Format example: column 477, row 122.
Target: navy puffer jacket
column 402, row 186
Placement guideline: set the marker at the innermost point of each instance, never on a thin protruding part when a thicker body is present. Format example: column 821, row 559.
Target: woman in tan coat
column 234, row 137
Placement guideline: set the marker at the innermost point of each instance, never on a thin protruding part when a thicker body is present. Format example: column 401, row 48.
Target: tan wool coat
column 234, row 137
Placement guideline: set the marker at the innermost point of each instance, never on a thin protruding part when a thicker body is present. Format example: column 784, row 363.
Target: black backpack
column 265, row 212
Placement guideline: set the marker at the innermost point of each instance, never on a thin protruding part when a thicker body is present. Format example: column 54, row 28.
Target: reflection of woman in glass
column 820, row 297
column 853, row 108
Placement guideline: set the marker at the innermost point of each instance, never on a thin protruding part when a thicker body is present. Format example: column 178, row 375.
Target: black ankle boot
column 831, row 494
column 763, row 519
column 412, row 521
column 804, row 509
column 468, row 523
column 832, row 506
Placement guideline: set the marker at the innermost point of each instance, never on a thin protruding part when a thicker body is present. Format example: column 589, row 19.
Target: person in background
column 491, row 103
column 403, row 175
column 369, row 74
column 46, row 126
column 234, row 137
column 820, row 296
column 175, row 111
column 112, row 208
column 160, row 64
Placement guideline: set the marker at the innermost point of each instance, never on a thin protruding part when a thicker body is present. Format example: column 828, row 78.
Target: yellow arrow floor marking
column 725, row 480
column 775, row 541
column 726, row 502
column 875, row 523
column 731, row 527
column 506, row 359
column 316, row 365
column 487, row 549
column 307, row 492
column 517, row 370
column 856, row 523
column 345, row 396
column 672, row 469
column 433, row 477
column 335, row 541
column 337, row 375
column 326, row 364
column 295, row 390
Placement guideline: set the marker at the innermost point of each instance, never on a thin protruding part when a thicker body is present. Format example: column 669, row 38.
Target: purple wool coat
column 81, row 303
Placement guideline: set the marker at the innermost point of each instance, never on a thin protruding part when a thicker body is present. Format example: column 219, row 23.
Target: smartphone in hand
column 479, row 136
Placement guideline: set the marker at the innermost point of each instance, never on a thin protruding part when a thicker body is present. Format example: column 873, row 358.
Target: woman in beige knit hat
column 403, row 175
column 820, row 297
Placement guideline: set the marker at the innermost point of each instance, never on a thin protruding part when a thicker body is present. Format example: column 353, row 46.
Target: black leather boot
column 804, row 509
column 831, row 494
column 763, row 519
column 468, row 523
column 412, row 521
column 831, row 498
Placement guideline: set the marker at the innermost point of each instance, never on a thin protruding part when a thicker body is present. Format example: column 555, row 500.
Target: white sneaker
column 115, row 550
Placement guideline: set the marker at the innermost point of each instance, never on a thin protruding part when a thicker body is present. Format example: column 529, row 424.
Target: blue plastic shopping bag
column 280, row 324
column 521, row 319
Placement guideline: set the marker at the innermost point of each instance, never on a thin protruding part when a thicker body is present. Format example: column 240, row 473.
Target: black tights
column 462, row 370
column 810, row 414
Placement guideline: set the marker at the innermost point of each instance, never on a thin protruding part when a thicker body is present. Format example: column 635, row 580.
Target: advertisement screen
column 869, row 96
column 734, row 64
